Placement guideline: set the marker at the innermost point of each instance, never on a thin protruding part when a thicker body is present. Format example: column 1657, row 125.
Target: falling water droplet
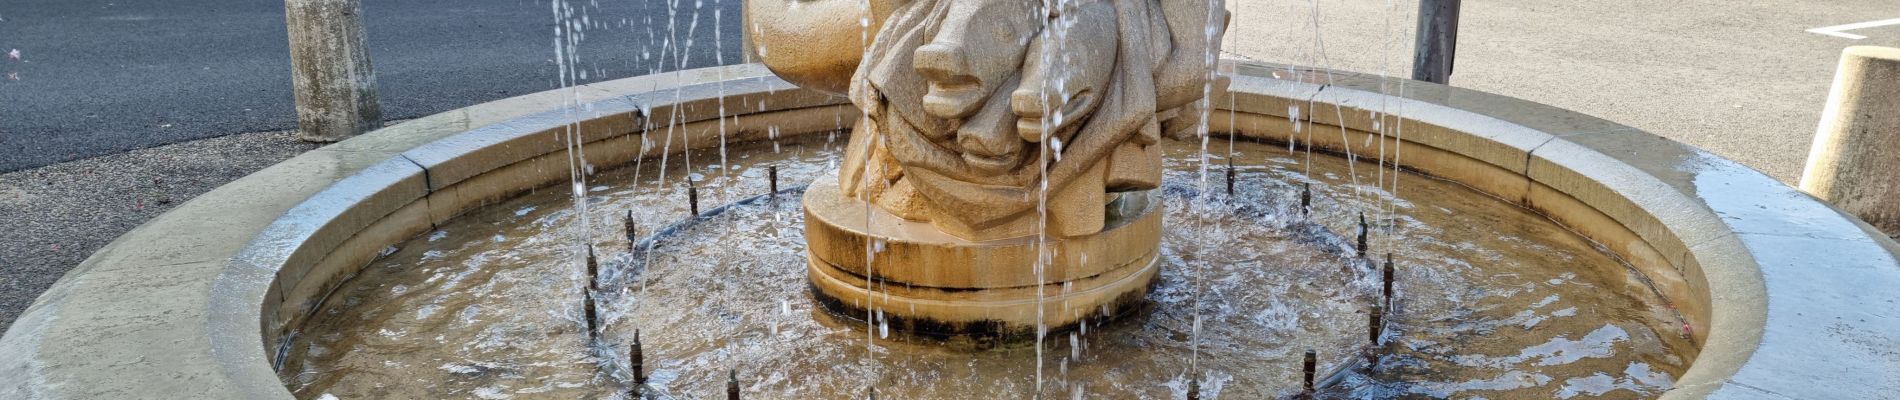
column 1075, row 346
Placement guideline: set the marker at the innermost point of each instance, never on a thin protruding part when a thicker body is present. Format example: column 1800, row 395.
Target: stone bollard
column 1855, row 161
column 330, row 70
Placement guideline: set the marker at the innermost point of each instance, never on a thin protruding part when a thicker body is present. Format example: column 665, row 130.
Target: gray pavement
column 98, row 77
column 1741, row 79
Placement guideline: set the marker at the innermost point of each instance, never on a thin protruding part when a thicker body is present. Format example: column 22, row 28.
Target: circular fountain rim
column 186, row 304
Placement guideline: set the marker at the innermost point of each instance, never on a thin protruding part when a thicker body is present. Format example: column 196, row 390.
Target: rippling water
column 1493, row 301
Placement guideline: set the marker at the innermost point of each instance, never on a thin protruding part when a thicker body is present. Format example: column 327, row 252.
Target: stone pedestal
column 930, row 283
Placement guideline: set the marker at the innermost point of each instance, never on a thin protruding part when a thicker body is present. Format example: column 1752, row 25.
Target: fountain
column 980, row 224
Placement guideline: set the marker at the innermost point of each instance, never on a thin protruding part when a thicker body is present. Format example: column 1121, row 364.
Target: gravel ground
column 53, row 217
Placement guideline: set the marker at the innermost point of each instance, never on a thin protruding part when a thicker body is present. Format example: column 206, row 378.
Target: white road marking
column 1837, row 30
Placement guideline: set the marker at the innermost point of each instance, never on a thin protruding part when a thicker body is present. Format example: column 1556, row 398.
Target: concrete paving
column 1741, row 79
column 97, row 77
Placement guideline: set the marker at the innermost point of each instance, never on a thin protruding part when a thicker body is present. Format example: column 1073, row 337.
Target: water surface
column 1494, row 301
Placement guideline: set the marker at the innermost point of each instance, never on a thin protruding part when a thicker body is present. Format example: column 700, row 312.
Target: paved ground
column 99, row 77
column 1742, row 79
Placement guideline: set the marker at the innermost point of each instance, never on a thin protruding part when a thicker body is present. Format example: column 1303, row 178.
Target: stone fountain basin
column 1786, row 295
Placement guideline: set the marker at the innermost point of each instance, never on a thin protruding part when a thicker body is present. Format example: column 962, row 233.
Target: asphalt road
column 1744, row 80
column 98, row 77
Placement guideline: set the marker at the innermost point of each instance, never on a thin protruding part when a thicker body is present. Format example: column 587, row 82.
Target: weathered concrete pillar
column 1437, row 40
column 1855, row 162
column 330, row 69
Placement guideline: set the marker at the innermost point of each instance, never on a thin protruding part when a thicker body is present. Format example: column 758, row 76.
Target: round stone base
column 926, row 282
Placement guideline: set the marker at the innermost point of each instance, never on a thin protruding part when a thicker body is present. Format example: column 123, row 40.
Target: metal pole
column 330, row 70
column 692, row 196
column 1853, row 163
column 1310, row 369
column 1437, row 40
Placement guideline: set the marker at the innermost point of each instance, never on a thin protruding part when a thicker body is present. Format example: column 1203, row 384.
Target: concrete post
column 330, row 69
column 1437, row 40
column 1855, row 161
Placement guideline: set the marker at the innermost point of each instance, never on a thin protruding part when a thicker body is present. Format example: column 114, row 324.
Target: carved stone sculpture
column 988, row 122
column 962, row 96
